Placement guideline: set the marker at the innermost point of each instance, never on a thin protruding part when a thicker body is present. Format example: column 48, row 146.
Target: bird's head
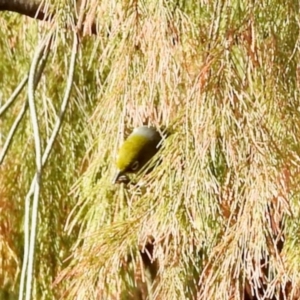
column 140, row 146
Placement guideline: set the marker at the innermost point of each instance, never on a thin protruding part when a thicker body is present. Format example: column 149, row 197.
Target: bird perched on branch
column 140, row 146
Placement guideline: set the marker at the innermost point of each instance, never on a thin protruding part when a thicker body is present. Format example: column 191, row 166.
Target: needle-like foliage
column 217, row 216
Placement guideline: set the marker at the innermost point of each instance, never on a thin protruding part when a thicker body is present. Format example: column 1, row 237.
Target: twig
column 38, row 162
column 12, row 131
column 36, row 75
column 64, row 102
column 55, row 131
column 21, row 114
column 38, row 156
column 14, row 95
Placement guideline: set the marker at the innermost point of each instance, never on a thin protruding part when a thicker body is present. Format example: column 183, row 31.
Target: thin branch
column 38, row 162
column 12, row 131
column 38, row 9
column 21, row 114
column 61, row 113
column 49, row 146
column 14, row 95
column 31, row 89
column 64, row 102
column 36, row 75
column 32, row 8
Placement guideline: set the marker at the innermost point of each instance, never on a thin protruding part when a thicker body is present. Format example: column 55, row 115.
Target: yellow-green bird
column 140, row 146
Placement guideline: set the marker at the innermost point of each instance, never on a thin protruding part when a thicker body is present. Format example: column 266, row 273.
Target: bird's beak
column 120, row 177
column 116, row 177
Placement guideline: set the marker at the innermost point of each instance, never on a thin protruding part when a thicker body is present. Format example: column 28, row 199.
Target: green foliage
column 217, row 218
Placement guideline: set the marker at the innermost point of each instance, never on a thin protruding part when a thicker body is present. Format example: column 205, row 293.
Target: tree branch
column 35, row 9
column 32, row 8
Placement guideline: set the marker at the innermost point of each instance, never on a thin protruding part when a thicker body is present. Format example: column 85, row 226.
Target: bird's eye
column 135, row 166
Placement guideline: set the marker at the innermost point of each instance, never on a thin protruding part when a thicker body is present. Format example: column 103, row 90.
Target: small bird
column 140, row 146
